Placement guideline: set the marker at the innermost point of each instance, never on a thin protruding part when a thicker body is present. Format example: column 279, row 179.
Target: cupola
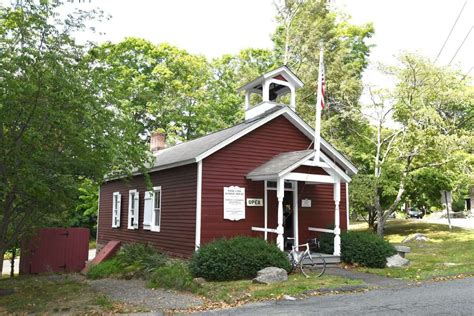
column 271, row 86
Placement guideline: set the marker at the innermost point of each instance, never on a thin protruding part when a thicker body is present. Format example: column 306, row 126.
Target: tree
column 304, row 27
column 55, row 127
column 425, row 122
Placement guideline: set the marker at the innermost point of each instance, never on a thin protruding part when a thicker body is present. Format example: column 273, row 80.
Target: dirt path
column 136, row 293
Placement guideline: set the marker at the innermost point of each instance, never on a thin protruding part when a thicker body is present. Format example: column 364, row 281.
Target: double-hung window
column 156, row 210
column 116, row 208
column 133, row 202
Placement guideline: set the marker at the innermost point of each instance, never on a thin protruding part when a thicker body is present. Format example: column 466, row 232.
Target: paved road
column 466, row 223
column 442, row 298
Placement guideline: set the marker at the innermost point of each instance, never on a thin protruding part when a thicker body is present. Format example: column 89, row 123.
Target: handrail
column 322, row 230
column 261, row 229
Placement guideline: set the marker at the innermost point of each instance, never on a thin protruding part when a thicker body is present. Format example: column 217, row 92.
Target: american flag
column 321, row 88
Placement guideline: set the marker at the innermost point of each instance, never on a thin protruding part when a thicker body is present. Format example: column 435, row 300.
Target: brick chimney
column 157, row 141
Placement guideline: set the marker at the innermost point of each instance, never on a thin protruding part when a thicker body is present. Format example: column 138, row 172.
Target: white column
column 247, row 100
column 347, row 205
column 266, row 91
column 293, row 99
column 265, row 209
column 295, row 213
column 197, row 242
column 280, row 196
column 337, row 229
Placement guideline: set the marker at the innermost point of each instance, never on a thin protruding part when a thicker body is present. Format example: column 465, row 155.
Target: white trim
column 298, row 122
column 98, row 216
column 315, row 178
column 280, row 70
column 198, row 206
column 347, row 205
column 295, row 215
column 321, row 230
column 337, row 229
column 241, row 134
column 147, row 207
column 136, row 209
column 119, row 209
column 266, row 230
column 293, row 118
column 153, row 227
column 334, row 167
column 265, row 209
column 296, row 164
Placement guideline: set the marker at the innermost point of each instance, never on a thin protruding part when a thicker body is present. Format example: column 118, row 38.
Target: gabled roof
column 283, row 70
column 200, row 148
column 280, row 163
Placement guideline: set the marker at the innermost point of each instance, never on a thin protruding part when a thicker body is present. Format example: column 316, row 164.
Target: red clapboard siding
column 229, row 167
column 178, row 214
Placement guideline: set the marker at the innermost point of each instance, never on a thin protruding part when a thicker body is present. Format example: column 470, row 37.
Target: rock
column 199, row 281
column 271, row 275
column 415, row 237
column 289, row 298
column 402, row 250
column 396, row 261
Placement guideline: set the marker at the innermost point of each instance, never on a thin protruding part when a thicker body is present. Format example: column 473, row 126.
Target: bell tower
column 271, row 86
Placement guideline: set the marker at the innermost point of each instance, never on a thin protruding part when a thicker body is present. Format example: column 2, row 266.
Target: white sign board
column 305, row 203
column 254, row 202
column 446, row 197
column 234, row 203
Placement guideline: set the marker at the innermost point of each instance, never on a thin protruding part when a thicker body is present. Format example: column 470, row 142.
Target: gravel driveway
column 135, row 292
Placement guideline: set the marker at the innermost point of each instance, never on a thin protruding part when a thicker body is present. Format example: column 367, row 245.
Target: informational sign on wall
column 305, row 203
column 234, row 203
column 254, row 202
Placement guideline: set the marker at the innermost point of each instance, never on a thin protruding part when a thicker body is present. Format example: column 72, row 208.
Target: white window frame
column 116, row 209
column 147, row 209
column 135, row 205
column 156, row 228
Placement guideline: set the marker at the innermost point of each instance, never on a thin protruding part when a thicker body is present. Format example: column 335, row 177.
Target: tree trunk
column 12, row 262
column 2, row 255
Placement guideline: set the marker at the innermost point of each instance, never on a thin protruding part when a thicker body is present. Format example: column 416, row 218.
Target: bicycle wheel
column 313, row 265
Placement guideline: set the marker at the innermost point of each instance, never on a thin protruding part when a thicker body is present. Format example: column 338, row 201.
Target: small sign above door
column 254, row 202
column 305, row 203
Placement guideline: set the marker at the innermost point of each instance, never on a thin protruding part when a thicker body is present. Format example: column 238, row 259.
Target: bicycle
column 305, row 262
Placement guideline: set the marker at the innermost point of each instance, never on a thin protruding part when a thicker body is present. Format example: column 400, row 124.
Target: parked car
column 415, row 213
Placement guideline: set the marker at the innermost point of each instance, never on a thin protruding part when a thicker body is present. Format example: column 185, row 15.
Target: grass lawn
column 232, row 292
column 53, row 294
column 448, row 253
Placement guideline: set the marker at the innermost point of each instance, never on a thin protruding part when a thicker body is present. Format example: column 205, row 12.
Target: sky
column 216, row 27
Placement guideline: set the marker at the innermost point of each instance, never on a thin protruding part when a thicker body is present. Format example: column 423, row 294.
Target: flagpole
column 317, row 129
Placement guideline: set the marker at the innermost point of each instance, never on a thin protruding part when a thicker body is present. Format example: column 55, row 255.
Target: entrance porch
column 295, row 185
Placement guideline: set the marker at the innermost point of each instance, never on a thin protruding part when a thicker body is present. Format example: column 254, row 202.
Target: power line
column 451, row 31
column 459, row 48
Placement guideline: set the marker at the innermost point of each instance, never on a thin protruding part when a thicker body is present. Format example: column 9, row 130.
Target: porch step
column 330, row 259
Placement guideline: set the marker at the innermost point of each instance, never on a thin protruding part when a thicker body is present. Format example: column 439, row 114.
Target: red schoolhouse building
column 259, row 178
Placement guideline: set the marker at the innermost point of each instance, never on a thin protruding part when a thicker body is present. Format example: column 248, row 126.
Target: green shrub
column 366, row 249
column 105, row 269
column 132, row 261
column 236, row 258
column 175, row 275
column 139, row 260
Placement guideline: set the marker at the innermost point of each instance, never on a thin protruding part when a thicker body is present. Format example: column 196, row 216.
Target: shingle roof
column 188, row 151
column 279, row 163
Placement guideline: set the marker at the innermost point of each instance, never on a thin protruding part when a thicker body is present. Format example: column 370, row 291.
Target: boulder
column 199, row 281
column 396, row 261
column 271, row 275
column 415, row 237
column 402, row 250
